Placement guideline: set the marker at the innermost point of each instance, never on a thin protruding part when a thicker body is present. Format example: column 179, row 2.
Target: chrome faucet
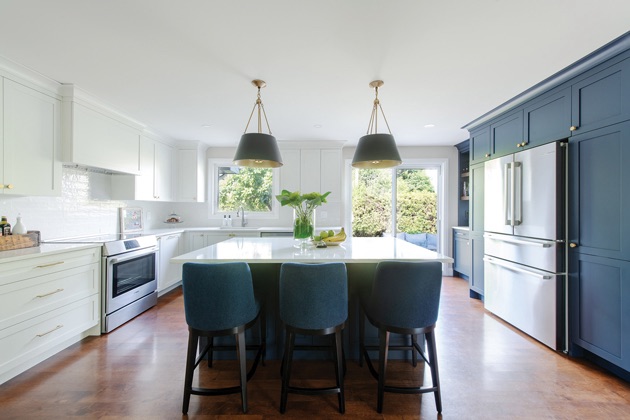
column 241, row 211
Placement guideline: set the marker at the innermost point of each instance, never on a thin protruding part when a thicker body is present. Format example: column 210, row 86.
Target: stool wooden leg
column 361, row 335
column 193, row 342
column 286, row 369
column 414, row 354
column 210, row 350
column 263, row 334
column 435, row 376
column 382, row 370
column 339, row 369
column 242, row 361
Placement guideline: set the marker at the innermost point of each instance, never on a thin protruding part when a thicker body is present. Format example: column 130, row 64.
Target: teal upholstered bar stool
column 313, row 301
column 405, row 300
column 219, row 301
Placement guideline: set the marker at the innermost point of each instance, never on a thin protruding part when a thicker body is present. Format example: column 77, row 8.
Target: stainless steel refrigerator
column 525, row 241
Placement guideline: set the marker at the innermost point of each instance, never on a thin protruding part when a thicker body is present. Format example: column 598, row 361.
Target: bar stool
column 219, row 301
column 313, row 301
column 405, row 300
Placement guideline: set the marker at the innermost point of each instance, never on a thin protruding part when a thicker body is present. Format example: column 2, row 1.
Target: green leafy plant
column 304, row 206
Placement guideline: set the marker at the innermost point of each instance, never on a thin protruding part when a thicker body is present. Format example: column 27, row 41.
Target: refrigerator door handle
column 542, row 244
column 506, row 200
column 517, row 193
column 514, row 267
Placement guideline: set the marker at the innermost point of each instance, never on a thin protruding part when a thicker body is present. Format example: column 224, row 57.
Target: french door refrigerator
column 525, row 241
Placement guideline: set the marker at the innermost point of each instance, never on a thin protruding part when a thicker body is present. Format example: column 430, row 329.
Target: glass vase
column 303, row 227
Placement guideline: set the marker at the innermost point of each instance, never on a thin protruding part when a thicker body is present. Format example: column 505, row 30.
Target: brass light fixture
column 258, row 150
column 376, row 150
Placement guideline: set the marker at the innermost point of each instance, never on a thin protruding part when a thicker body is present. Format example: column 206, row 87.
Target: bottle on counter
column 5, row 226
column 19, row 228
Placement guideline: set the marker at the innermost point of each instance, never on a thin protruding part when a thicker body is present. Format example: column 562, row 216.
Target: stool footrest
column 314, row 391
column 409, row 389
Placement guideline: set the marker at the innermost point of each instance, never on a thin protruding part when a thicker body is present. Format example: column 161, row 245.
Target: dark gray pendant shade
column 258, row 150
column 376, row 151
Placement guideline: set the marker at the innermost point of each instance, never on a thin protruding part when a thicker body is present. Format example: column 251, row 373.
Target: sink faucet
column 241, row 211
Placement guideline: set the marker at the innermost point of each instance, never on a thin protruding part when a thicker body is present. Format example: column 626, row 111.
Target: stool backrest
column 218, row 296
column 313, row 296
column 406, row 294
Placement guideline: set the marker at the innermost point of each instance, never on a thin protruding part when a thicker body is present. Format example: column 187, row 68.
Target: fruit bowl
column 330, row 238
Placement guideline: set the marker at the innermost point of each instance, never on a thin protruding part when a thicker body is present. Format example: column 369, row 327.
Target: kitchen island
column 265, row 255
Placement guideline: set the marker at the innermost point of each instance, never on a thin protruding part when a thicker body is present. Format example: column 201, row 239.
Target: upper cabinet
column 30, row 140
column 191, row 172
column 480, row 145
column 601, row 98
column 155, row 181
column 506, row 134
column 547, row 118
column 98, row 137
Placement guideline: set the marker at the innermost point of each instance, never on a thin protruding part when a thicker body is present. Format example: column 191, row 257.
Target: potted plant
column 304, row 206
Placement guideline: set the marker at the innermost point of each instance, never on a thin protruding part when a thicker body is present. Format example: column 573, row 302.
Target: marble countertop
column 279, row 250
column 42, row 249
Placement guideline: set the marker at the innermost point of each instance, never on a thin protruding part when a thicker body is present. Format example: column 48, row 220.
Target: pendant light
column 376, row 150
column 258, row 150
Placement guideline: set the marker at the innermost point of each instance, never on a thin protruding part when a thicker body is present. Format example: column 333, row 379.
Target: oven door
column 129, row 277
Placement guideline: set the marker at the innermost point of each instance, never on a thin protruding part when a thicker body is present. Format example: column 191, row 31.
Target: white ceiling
column 178, row 65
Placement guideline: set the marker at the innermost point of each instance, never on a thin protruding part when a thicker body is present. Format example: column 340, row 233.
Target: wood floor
column 488, row 370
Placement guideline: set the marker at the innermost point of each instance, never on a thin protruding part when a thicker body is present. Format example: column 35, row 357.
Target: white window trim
column 442, row 163
column 213, row 187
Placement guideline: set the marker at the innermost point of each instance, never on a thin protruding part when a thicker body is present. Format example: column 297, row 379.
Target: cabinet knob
column 523, row 144
column 518, row 144
column 573, row 245
column 9, row 186
column 487, row 155
column 573, row 128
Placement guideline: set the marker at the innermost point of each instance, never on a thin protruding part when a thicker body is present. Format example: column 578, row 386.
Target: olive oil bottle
column 5, row 226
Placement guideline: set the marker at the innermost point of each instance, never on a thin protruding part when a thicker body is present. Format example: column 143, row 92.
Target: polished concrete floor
column 488, row 370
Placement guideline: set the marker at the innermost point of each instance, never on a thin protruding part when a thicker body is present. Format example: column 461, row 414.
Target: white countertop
column 279, row 250
column 42, row 249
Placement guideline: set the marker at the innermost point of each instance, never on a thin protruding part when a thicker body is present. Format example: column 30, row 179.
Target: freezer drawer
column 526, row 298
column 545, row 255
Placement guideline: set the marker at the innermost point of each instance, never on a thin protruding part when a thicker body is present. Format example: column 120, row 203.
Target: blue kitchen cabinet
column 480, row 145
column 547, row 118
column 599, row 293
column 506, row 134
column 476, row 230
column 601, row 98
column 462, row 252
column 599, row 192
column 476, row 282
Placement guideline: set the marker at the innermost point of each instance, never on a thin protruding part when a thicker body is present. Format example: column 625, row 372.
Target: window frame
column 213, row 191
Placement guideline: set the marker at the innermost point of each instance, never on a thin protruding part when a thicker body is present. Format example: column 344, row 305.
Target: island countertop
column 279, row 250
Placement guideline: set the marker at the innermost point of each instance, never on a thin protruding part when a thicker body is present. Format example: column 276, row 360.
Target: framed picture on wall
column 130, row 219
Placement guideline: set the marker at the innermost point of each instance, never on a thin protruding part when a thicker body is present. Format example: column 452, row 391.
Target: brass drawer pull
column 49, row 265
column 48, row 332
column 50, row 293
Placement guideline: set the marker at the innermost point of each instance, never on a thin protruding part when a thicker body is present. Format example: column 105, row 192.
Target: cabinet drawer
column 47, row 264
column 31, row 338
column 22, row 300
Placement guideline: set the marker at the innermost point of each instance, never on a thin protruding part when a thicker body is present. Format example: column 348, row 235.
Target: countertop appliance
column 129, row 276
column 525, row 241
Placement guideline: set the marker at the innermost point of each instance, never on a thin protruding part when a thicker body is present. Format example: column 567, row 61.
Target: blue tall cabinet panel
column 599, row 242
column 476, row 282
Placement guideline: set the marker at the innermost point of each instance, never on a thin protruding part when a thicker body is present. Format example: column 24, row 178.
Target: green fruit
column 317, row 238
column 331, row 233
column 324, row 234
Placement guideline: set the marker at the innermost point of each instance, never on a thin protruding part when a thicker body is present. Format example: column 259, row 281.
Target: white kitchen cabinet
column 191, row 172
column 155, row 180
column 169, row 274
column 202, row 239
column 47, row 302
column 98, row 137
column 30, row 141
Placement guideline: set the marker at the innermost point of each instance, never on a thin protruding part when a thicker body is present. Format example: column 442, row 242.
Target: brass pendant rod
column 385, row 118
column 250, row 117
column 371, row 123
column 265, row 115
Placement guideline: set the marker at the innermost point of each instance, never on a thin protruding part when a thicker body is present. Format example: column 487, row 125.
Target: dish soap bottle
column 5, row 226
column 18, row 228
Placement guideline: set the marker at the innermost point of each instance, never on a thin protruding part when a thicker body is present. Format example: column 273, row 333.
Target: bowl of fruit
column 330, row 238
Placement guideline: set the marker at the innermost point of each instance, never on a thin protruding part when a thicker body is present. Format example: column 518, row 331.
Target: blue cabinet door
column 476, row 198
column 599, row 192
column 602, row 98
column 480, row 145
column 599, row 293
column 462, row 253
column 506, row 134
column 547, row 118
column 476, row 279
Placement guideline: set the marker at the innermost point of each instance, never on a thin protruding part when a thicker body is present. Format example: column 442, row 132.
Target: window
column 405, row 202
column 232, row 187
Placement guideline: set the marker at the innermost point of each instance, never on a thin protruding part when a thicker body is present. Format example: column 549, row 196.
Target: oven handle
column 132, row 255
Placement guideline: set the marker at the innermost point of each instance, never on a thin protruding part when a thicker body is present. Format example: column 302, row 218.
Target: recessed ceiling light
column 429, row 126
column 317, row 126
column 206, row 126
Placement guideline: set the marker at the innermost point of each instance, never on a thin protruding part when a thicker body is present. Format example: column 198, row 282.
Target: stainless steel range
column 129, row 276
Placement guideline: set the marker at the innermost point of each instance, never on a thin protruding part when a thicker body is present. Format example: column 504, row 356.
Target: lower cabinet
column 47, row 303
column 169, row 274
column 201, row 239
column 599, row 293
column 462, row 252
column 476, row 278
